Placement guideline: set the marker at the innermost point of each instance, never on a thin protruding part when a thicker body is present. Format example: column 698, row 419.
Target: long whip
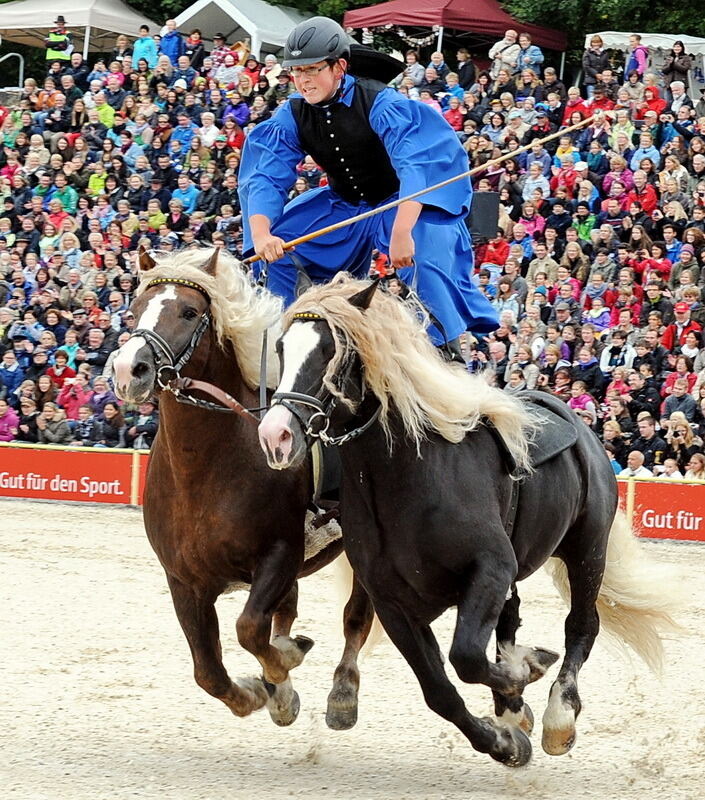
column 387, row 206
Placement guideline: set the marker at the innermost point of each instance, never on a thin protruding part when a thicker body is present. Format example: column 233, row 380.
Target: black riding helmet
column 316, row 39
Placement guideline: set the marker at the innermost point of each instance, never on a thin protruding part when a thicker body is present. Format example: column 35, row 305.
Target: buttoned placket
column 337, row 149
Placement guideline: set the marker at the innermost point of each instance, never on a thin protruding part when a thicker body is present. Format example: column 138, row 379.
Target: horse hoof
column 293, row 651
column 558, row 742
column 284, row 717
column 514, row 748
column 540, row 661
column 341, row 714
column 304, row 643
column 341, row 720
column 527, row 720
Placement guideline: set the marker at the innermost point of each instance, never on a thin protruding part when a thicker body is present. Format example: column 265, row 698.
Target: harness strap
column 153, row 338
column 513, row 507
column 317, row 470
column 179, row 282
column 179, row 385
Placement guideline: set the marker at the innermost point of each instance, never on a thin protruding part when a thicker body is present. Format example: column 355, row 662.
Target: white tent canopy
column 659, row 45
column 93, row 23
column 614, row 40
column 265, row 26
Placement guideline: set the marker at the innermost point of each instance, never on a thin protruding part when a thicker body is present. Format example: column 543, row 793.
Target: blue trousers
column 444, row 258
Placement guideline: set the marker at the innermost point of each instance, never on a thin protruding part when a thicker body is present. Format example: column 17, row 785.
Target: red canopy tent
column 483, row 17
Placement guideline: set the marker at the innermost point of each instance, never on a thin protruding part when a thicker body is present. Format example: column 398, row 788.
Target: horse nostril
column 285, row 435
column 140, row 369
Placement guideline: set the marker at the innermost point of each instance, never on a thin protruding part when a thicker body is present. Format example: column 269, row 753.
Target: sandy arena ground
column 98, row 699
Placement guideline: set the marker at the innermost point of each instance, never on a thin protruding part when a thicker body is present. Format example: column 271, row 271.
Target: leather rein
column 169, row 364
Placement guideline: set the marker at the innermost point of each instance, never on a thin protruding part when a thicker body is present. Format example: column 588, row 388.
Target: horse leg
column 418, row 645
column 357, row 621
column 272, row 584
column 283, row 704
column 513, row 710
column 581, row 628
column 479, row 612
column 199, row 622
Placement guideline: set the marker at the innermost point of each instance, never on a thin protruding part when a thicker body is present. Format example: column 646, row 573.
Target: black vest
column 340, row 139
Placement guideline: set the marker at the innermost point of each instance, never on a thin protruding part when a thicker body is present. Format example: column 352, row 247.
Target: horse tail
column 636, row 599
column 343, row 577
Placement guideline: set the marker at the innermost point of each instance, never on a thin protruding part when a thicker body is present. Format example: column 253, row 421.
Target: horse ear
column 211, row 265
column 145, row 260
column 303, row 282
column 363, row 299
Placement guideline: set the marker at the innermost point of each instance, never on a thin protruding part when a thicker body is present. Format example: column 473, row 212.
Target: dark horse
column 215, row 515
column 433, row 519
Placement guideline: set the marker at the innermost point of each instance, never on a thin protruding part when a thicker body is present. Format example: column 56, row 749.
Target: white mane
column 406, row 372
column 241, row 312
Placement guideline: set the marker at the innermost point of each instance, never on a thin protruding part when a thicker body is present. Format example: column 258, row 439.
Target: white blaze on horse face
column 125, row 359
column 275, row 429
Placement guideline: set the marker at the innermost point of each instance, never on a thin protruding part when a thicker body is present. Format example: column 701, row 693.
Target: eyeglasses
column 307, row 72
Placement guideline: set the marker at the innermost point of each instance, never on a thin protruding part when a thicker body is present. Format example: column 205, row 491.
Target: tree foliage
column 326, row 8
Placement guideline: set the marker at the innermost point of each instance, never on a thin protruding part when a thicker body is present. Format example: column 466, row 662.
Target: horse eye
column 190, row 313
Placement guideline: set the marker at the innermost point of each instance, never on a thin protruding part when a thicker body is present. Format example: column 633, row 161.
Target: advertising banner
column 669, row 510
column 93, row 476
column 657, row 509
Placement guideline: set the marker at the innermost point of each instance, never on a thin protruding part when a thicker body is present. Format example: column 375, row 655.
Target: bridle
column 165, row 359
column 169, row 364
column 323, row 407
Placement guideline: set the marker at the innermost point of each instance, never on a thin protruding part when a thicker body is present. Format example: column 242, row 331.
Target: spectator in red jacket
column 496, row 251
column 643, row 192
column 75, row 393
column 675, row 333
column 455, row 116
column 601, row 100
column 575, row 103
column 60, row 371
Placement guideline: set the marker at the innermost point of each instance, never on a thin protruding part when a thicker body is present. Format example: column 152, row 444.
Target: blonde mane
column 406, row 372
column 241, row 312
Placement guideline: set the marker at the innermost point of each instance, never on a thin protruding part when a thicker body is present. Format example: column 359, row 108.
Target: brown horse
column 217, row 517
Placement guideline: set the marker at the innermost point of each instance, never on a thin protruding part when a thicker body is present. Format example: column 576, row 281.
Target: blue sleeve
column 152, row 54
column 424, row 150
column 536, row 54
column 268, row 169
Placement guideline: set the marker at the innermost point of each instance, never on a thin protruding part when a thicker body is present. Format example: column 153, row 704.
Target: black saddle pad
column 557, row 429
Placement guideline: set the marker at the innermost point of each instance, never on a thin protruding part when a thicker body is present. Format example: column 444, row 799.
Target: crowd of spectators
column 597, row 268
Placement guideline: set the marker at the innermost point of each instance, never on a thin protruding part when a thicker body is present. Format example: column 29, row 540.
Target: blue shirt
column 422, row 148
column 644, row 152
column 187, row 197
column 145, row 47
column 183, row 135
column 673, row 252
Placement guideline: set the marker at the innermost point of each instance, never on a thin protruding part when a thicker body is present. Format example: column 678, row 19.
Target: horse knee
column 247, row 628
column 470, row 665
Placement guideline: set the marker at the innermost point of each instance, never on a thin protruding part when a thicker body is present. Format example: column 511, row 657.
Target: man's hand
column 401, row 243
column 401, row 249
column 269, row 248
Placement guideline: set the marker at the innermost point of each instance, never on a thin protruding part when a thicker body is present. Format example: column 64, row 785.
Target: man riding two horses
column 375, row 146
